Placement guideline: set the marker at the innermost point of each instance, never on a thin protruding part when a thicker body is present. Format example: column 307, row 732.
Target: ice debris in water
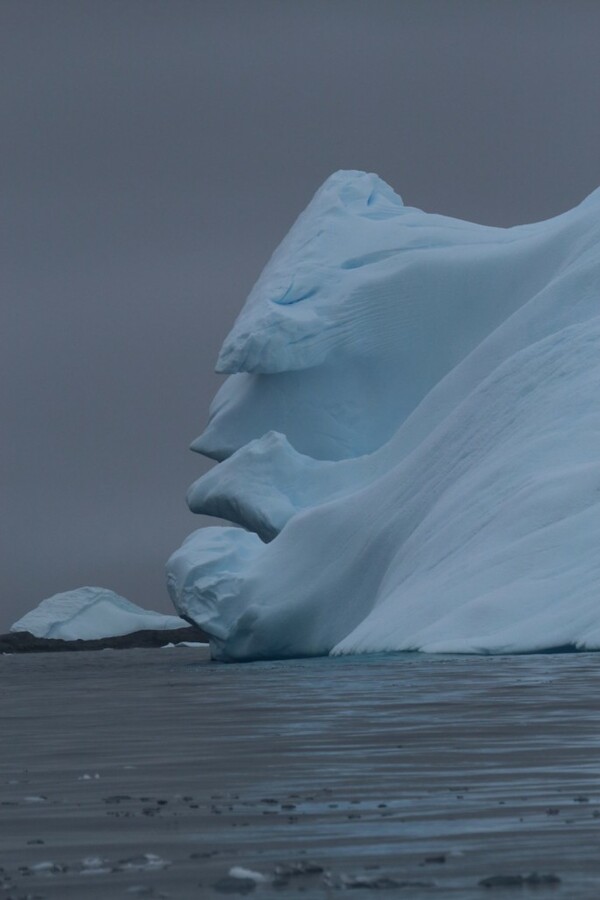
column 145, row 862
column 409, row 437
column 95, row 865
column 250, row 874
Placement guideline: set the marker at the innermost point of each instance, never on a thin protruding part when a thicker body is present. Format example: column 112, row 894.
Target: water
column 147, row 773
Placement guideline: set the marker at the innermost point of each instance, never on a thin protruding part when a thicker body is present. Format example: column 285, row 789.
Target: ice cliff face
column 409, row 438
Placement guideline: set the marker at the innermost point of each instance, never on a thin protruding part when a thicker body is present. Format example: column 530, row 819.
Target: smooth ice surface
column 91, row 613
column 410, row 438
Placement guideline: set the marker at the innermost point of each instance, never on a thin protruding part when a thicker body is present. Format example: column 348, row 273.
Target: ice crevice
column 409, row 438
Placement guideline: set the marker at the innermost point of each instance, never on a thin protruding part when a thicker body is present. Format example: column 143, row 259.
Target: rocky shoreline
column 24, row 642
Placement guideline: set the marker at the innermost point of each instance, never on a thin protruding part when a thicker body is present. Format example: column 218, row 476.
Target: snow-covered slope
column 91, row 613
column 412, row 425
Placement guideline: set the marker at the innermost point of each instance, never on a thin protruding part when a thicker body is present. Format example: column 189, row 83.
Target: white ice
column 409, row 438
column 91, row 613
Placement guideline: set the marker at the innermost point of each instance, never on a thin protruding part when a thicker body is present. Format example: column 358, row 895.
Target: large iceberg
column 409, row 439
column 91, row 613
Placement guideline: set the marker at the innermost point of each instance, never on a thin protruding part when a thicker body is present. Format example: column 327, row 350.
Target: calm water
column 148, row 773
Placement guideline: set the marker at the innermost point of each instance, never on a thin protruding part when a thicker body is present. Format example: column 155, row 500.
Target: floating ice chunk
column 250, row 874
column 95, row 865
column 145, row 862
column 193, row 644
column 46, row 867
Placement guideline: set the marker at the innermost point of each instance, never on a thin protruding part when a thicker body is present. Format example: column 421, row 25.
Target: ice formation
column 91, row 613
column 409, row 438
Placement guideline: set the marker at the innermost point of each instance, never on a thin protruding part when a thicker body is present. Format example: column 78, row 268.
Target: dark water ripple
column 147, row 773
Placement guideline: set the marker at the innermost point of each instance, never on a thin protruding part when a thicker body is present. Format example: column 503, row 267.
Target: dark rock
column 380, row 883
column 230, row 885
column 534, row 879
column 24, row 642
column 303, row 867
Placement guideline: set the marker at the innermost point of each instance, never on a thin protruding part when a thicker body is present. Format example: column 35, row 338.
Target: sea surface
column 152, row 773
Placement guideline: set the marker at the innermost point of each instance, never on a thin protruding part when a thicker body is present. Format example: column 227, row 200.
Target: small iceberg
column 91, row 613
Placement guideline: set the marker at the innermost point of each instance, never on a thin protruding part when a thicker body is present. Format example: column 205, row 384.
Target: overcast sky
column 152, row 156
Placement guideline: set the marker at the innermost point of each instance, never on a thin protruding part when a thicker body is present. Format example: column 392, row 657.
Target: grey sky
column 152, row 156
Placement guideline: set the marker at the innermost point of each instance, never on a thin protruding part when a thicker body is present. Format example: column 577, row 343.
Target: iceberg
column 408, row 441
column 91, row 613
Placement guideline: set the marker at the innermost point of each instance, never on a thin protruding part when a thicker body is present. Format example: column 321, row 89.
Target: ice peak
column 354, row 191
column 284, row 321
